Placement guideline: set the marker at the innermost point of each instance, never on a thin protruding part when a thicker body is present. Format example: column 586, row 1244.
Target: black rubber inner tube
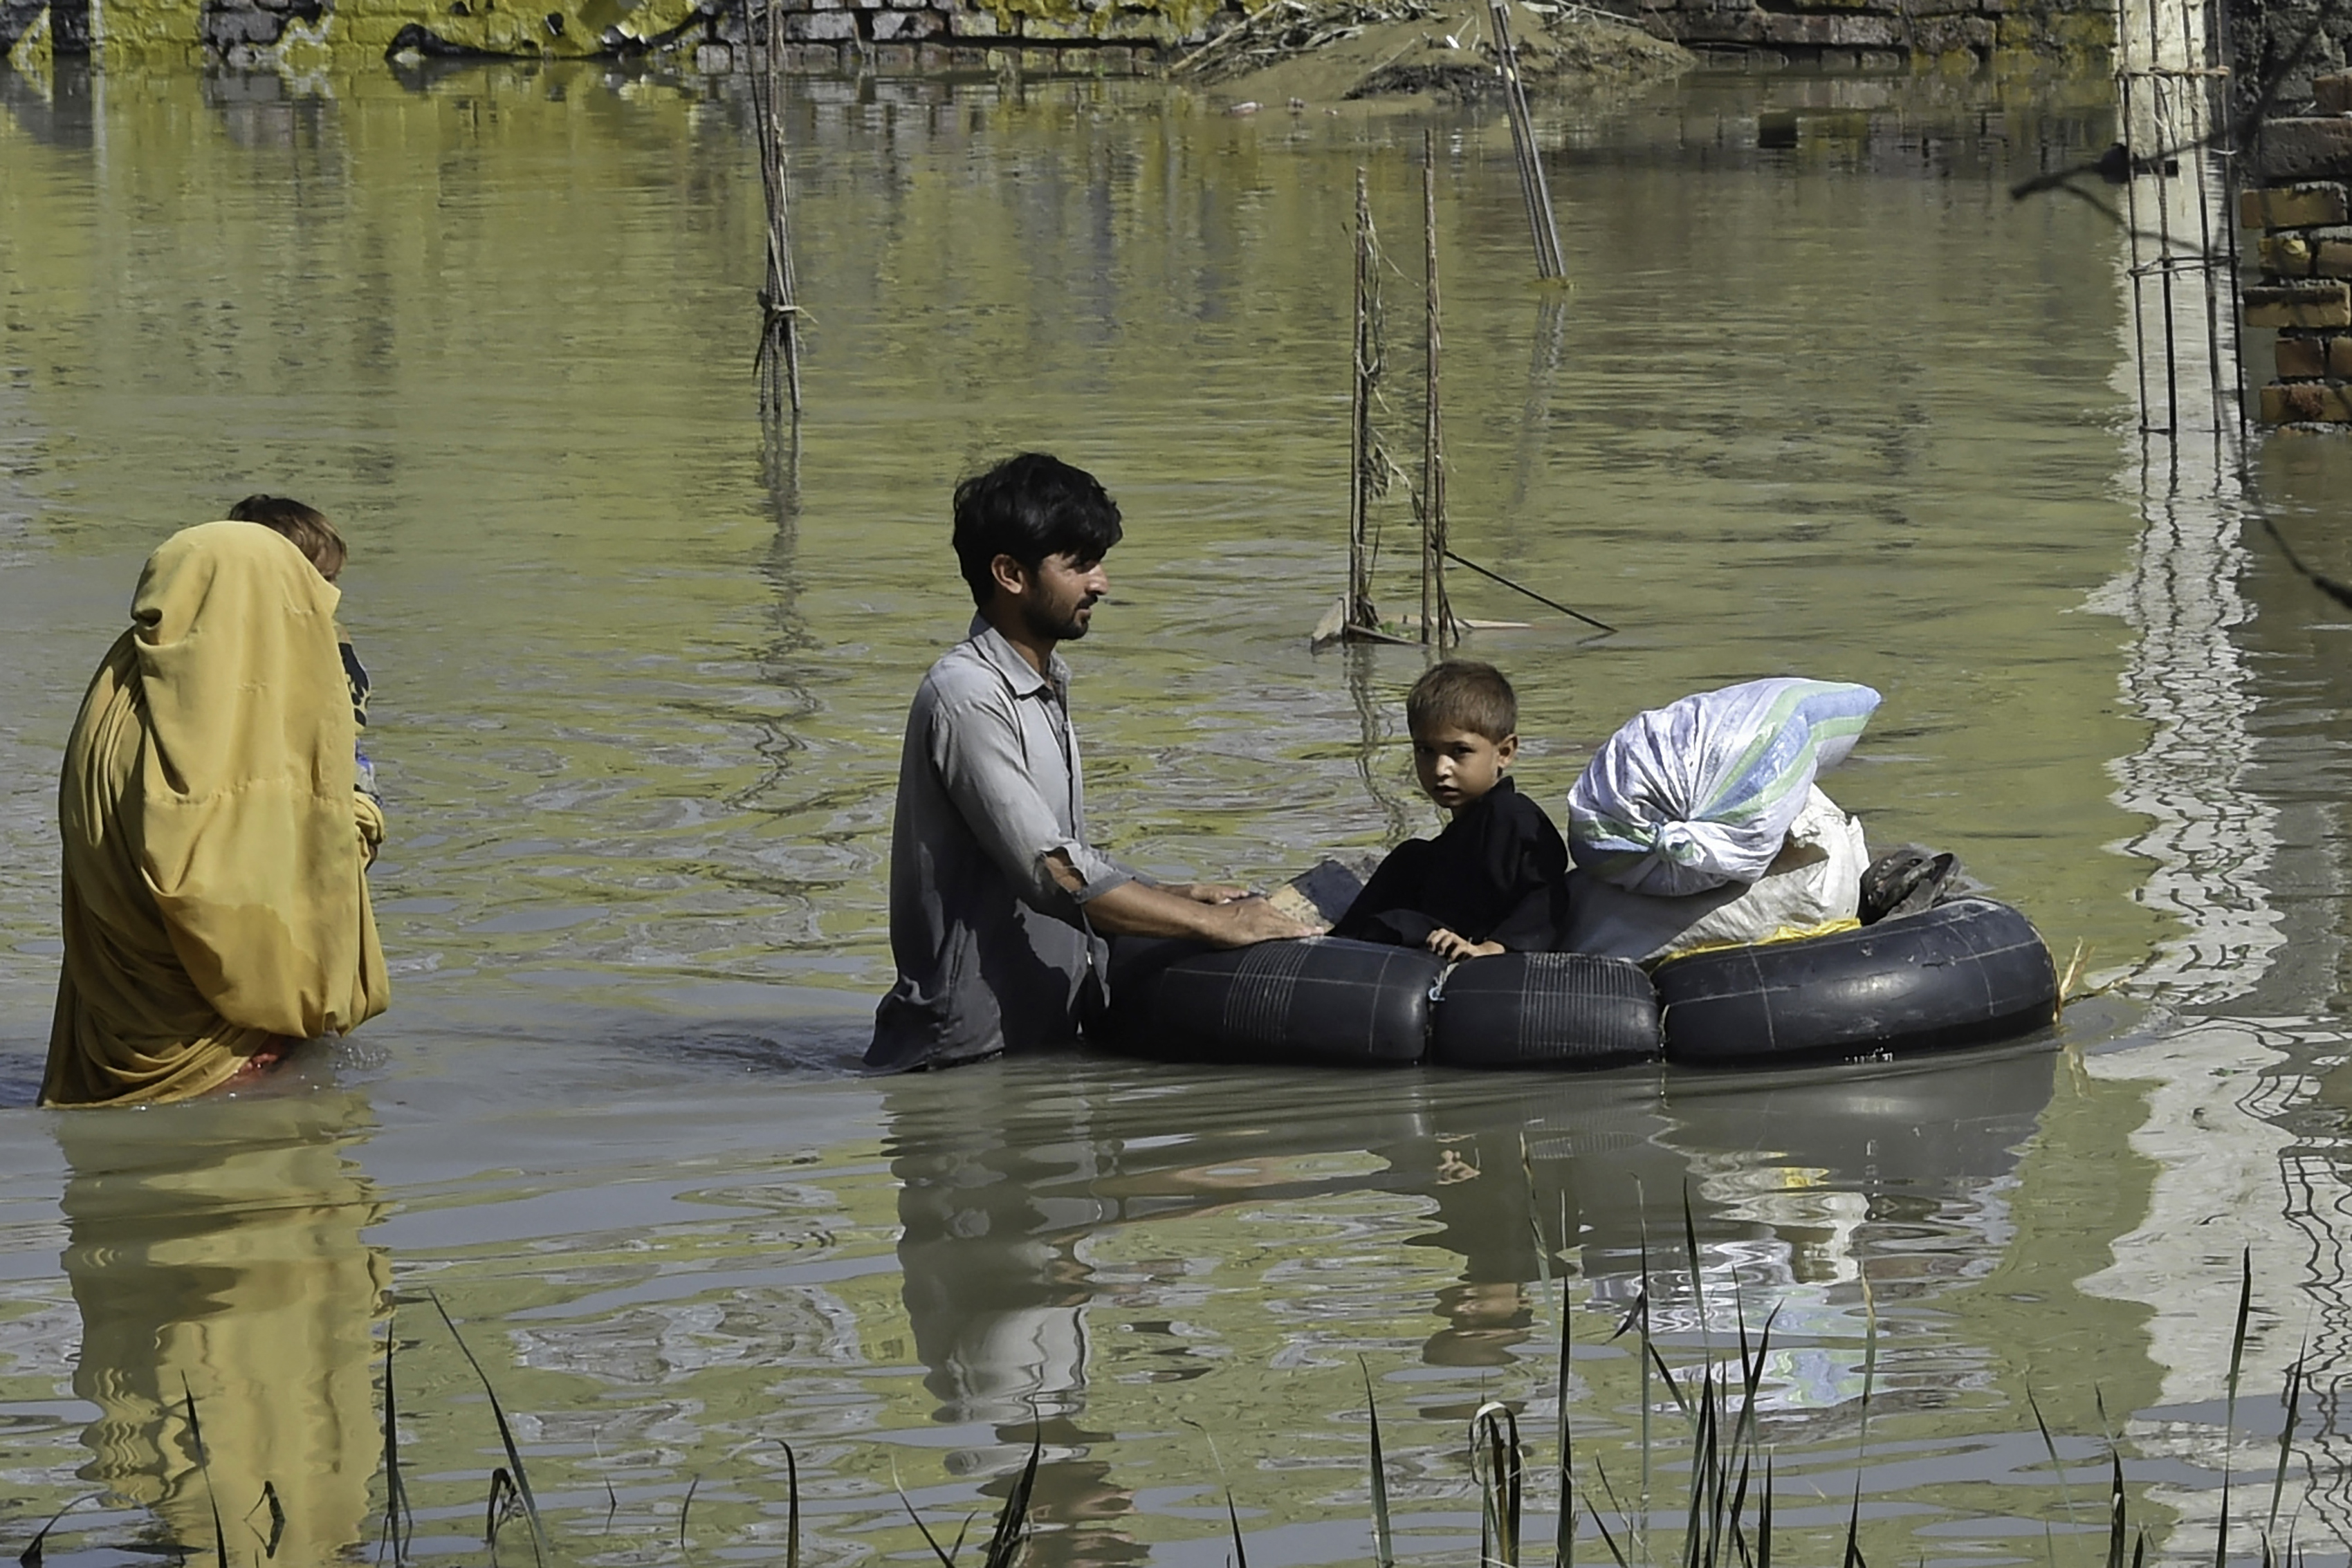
column 1970, row 972
column 1557, row 1010
column 1321, row 999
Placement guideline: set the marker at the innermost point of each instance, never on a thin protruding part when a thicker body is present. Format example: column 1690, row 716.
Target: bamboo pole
column 780, row 345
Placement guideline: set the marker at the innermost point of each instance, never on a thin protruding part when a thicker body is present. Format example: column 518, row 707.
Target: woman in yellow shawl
column 216, row 847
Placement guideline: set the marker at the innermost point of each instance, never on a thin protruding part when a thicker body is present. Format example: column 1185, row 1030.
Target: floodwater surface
column 1837, row 405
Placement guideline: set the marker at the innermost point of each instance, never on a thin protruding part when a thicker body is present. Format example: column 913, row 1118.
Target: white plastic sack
column 1702, row 792
column 1814, row 882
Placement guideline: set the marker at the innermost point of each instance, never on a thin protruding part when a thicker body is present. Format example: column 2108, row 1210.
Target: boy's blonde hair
column 306, row 527
column 1463, row 694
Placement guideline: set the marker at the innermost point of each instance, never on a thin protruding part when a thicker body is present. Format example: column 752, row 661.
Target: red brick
column 2339, row 357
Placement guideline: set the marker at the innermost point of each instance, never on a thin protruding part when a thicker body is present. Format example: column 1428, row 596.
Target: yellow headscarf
column 216, row 847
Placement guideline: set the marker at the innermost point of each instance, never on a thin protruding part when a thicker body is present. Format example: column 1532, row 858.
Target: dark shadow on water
column 58, row 115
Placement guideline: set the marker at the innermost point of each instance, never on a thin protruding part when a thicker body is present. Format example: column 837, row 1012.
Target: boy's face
column 1456, row 767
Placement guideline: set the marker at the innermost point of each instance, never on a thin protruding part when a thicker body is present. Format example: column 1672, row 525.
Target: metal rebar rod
column 2159, row 98
column 1542, row 226
column 2226, row 57
column 1437, row 614
column 2131, row 212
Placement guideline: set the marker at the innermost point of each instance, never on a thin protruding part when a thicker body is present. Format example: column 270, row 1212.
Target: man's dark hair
column 1029, row 507
column 1463, row 694
column 307, row 527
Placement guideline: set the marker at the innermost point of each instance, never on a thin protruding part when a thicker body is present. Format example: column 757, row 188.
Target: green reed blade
column 498, row 1510
column 1241, row 1554
column 1744, row 1434
column 204, row 1468
column 793, row 1503
column 1738, row 1506
column 1495, row 1469
column 32, row 1554
column 1563, row 1542
column 1383, row 1541
column 2118, row 1510
column 1698, row 1279
column 277, row 1518
column 1012, row 1522
column 1682, row 1402
column 1708, row 1471
column 2139, row 1549
column 2286, row 1433
column 521, row 1476
column 1853, row 1558
column 1610, row 1492
column 1695, row 1510
column 1606, row 1538
column 947, row 1558
column 395, row 1489
column 686, row 1507
column 1637, row 1533
column 1869, row 1361
column 2057, row 1466
column 2230, row 1409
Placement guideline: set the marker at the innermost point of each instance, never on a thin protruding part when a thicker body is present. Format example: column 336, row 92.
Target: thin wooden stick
column 1542, row 226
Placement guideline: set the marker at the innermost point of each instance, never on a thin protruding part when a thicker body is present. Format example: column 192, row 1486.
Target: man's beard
column 1068, row 629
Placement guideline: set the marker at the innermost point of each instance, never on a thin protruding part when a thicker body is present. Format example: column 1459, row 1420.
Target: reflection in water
column 217, row 1256
column 1029, row 1208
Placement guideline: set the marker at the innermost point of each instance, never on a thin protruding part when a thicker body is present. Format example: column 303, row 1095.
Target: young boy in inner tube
column 1496, row 881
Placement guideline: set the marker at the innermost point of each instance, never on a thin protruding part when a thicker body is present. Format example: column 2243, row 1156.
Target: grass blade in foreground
column 2230, row 1410
column 204, row 1468
column 522, row 1478
column 1012, row 1523
column 2287, row 1435
column 1383, row 1541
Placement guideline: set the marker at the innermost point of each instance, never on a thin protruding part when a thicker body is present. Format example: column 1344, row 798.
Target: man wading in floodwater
column 998, row 905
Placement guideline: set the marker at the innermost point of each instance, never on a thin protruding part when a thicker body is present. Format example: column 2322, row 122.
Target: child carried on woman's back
column 1495, row 880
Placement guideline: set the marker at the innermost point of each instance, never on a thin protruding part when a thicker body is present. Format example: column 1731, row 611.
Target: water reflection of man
column 993, row 1209
column 224, row 1262
column 998, row 904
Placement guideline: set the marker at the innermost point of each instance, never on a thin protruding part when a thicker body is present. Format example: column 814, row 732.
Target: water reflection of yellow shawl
column 215, row 848
column 222, row 1258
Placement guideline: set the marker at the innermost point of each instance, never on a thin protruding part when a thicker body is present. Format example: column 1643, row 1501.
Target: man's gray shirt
column 993, row 954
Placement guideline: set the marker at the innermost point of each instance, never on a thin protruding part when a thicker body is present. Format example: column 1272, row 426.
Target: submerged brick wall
column 1111, row 35
column 1881, row 34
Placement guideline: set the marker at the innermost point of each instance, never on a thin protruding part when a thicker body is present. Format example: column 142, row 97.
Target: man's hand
column 1453, row 948
column 1208, row 892
column 1252, row 919
column 1136, row 909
